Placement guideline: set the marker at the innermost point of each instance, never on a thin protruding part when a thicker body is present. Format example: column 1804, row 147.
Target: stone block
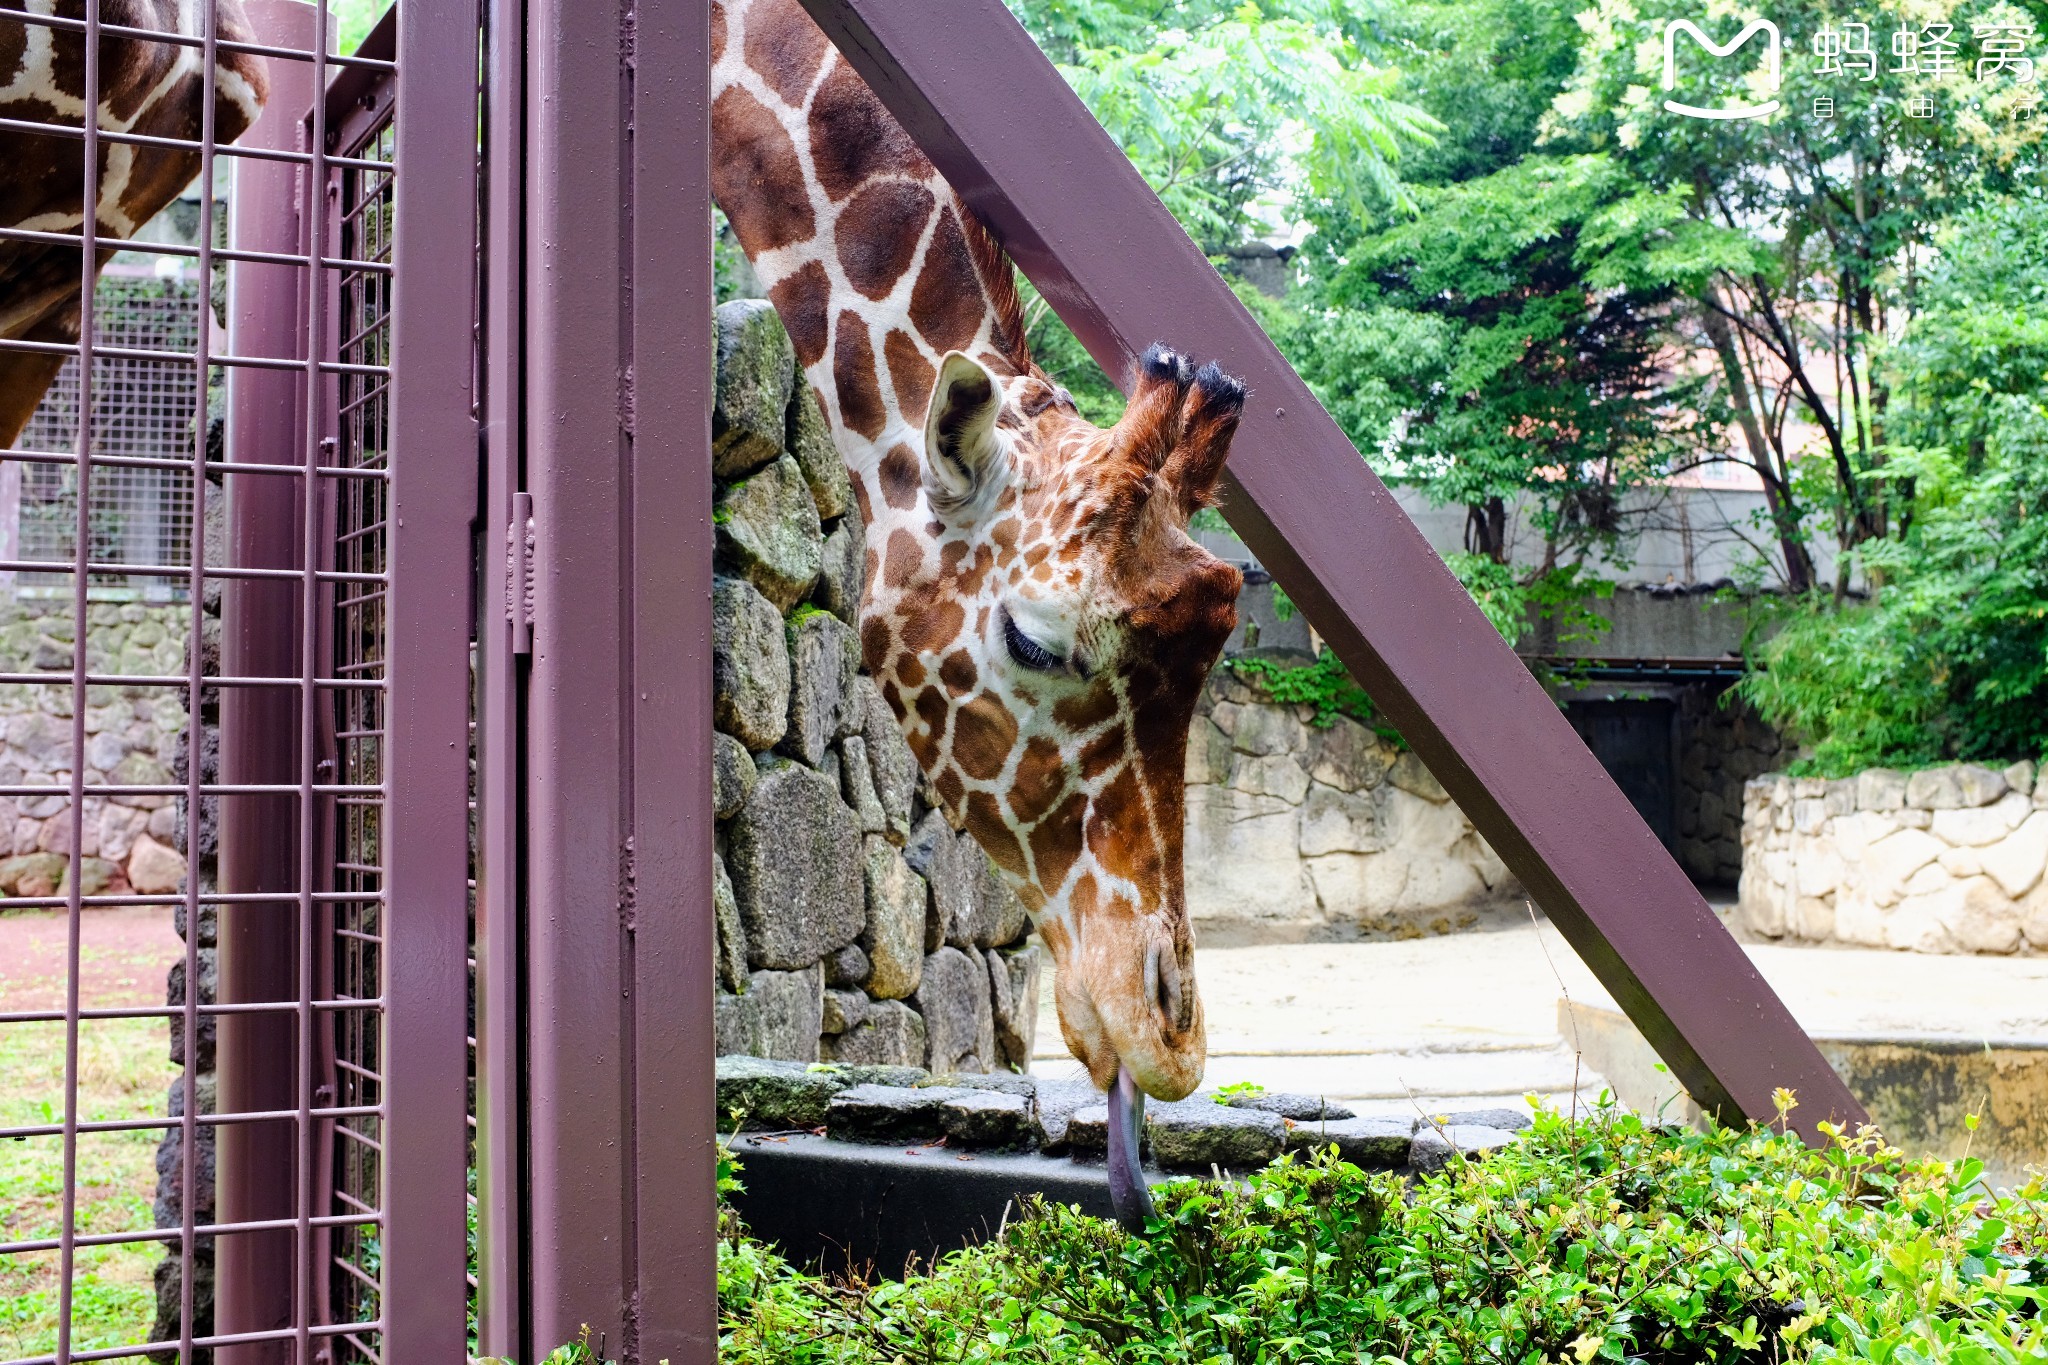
column 1013, row 978
column 732, row 775
column 795, row 858
column 2019, row 777
column 1432, row 1149
column 1808, row 815
column 893, row 937
column 2033, row 915
column 1956, row 786
column 779, row 1015
column 32, row 874
column 1960, row 862
column 887, row 1113
column 749, row 665
column 209, row 992
column 996, row 917
column 843, row 1010
column 1841, row 797
column 1890, row 861
column 857, row 785
column 731, row 952
column 889, row 756
column 1338, row 821
column 988, row 1118
column 1087, row 1130
column 756, row 374
column 1195, row 1134
column 949, row 866
column 848, row 967
column 809, row 442
column 842, row 565
column 1266, row 731
column 1985, row 920
column 1249, row 867
column 2018, row 861
column 824, row 663
column 959, row 1018
column 1275, row 775
column 1977, row 826
column 1300, row 1108
column 892, row 1033
column 785, row 1094
column 1409, row 774
column 1376, row 1142
column 1813, row 917
column 1507, row 1120
column 767, row 532
column 1881, row 788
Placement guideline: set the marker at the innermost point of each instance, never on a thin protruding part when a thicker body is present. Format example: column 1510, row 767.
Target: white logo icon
column 1773, row 66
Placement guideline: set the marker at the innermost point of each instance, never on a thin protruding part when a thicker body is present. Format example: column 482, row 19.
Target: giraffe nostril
column 1163, row 987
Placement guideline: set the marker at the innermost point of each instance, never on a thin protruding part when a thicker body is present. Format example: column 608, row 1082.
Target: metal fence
column 336, row 933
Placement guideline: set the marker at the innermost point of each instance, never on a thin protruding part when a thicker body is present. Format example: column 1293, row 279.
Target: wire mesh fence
column 194, row 784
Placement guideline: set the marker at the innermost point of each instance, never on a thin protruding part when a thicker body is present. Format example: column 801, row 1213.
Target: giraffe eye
column 1027, row 651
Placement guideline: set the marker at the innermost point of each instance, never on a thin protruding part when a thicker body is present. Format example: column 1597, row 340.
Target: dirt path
column 123, row 956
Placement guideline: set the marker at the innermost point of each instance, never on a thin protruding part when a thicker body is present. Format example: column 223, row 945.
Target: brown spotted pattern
column 1036, row 615
column 146, row 87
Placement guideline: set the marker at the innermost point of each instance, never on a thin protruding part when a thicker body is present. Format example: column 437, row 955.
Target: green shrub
column 1603, row 1239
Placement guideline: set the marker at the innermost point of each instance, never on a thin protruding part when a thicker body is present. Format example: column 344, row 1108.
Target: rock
column 953, row 997
column 768, row 533
column 1250, row 867
column 1976, row 826
column 756, row 374
column 2019, row 777
column 824, row 658
column 2017, row 861
column 209, row 992
column 1432, row 1149
column 841, row 568
column 749, row 665
column 732, row 775
column 1264, row 731
column 1889, row 861
column 795, row 858
column 1507, row 1120
column 1013, row 979
column 170, row 1159
column 32, row 874
column 1195, row 1134
column 843, row 1010
column 1955, row 787
column 988, row 1118
column 887, row 1113
column 1349, row 756
column 1004, row 1082
column 731, row 955
column 857, row 785
column 1376, row 1142
column 934, row 853
column 1059, row 1102
column 139, row 770
column 996, row 917
column 1410, row 776
column 1334, row 821
column 848, row 967
column 892, row 1033
column 780, row 1015
column 894, row 935
column 1985, row 920
column 809, row 442
column 1300, row 1108
column 784, row 1094
column 1087, row 1130
column 153, row 869
column 889, row 756
column 1274, row 775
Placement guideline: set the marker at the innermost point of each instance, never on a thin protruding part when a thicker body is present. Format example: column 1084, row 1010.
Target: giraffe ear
column 961, row 451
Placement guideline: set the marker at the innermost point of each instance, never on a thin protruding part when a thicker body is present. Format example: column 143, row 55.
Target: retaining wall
column 1943, row 860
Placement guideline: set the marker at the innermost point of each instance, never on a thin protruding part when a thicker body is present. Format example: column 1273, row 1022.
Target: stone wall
column 1943, row 860
column 1295, row 826
column 854, row 924
column 132, row 738
column 1722, row 744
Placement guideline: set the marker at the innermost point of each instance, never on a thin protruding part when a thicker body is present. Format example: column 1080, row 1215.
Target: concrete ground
column 1470, row 1019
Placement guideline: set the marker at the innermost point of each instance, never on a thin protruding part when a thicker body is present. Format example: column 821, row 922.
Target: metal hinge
column 519, row 573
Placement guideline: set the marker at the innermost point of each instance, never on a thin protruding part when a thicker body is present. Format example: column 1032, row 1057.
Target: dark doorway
column 1634, row 741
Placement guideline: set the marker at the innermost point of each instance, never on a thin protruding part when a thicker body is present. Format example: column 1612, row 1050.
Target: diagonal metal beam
column 1003, row 127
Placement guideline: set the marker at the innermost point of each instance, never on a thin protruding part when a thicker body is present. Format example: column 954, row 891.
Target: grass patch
column 1606, row 1239
column 123, row 1072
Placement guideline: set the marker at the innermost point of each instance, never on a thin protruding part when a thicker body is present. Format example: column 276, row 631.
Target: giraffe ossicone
column 1036, row 614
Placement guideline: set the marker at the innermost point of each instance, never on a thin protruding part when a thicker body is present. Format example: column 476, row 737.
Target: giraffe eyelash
column 1028, row 653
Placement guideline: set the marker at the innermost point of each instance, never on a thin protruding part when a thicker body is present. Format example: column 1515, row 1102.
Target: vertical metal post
column 426, row 754
column 261, row 629
column 618, row 914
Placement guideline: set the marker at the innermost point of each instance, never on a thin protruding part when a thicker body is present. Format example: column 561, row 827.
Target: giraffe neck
column 874, row 265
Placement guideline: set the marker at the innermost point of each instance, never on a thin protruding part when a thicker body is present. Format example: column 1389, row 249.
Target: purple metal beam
column 1007, row 132
column 618, row 367
column 426, row 745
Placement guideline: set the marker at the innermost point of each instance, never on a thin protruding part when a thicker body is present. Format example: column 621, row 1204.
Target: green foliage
column 1606, row 1238
column 1950, row 658
column 1224, row 1093
column 1324, row 685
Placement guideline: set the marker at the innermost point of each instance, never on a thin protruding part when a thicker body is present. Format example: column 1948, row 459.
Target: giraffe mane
column 999, row 278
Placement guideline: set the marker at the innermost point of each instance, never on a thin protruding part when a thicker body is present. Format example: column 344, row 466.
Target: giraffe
column 145, row 87
column 1036, row 615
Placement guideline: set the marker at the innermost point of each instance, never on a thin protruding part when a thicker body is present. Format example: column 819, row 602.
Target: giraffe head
column 1042, row 623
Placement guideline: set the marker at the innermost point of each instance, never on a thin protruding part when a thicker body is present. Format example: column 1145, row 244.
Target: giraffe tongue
column 1127, row 1192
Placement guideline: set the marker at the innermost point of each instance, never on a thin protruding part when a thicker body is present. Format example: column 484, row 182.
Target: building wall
column 1944, row 860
